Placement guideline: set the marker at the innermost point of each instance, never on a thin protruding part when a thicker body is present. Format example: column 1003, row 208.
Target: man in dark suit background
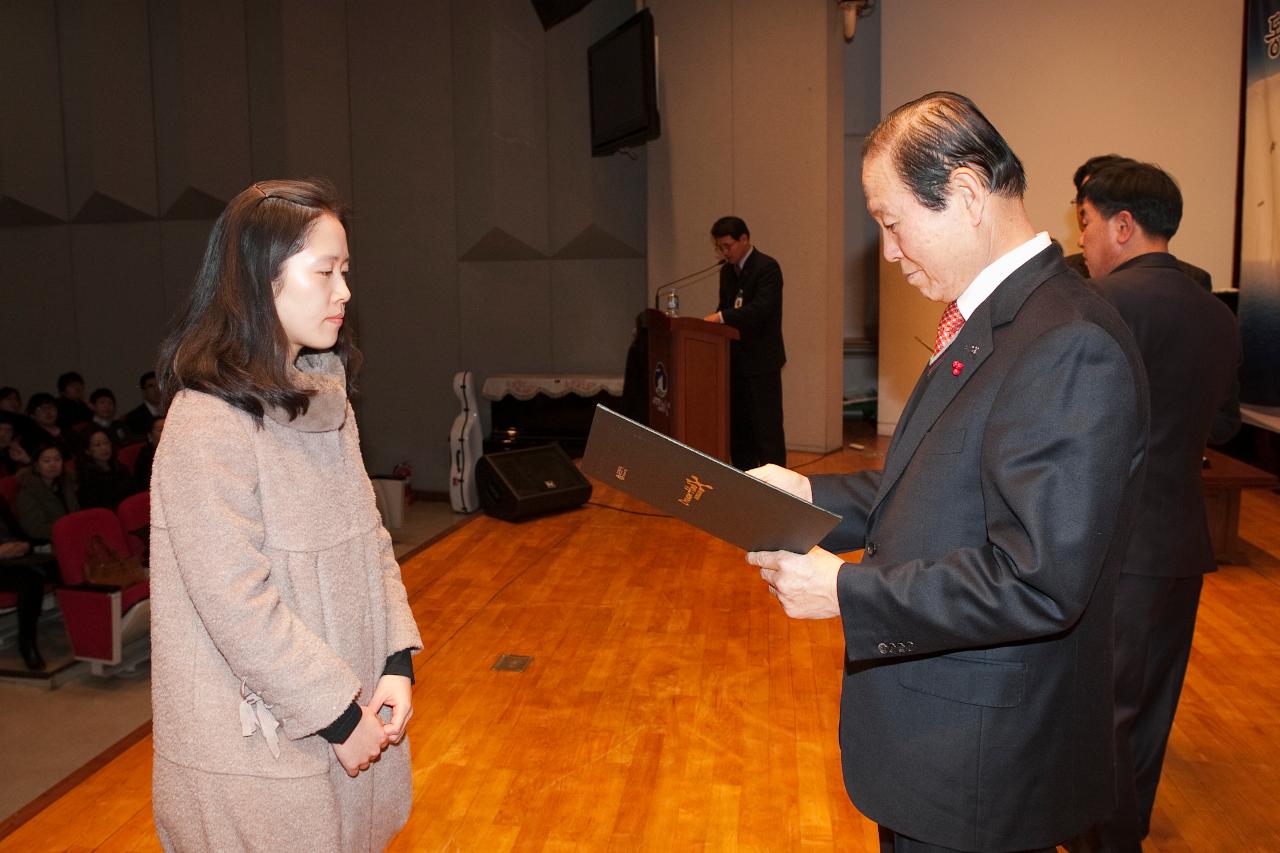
column 976, row 709
column 138, row 420
column 1080, row 178
column 751, row 302
column 1191, row 350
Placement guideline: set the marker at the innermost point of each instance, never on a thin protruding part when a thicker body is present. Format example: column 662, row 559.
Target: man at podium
column 751, row 302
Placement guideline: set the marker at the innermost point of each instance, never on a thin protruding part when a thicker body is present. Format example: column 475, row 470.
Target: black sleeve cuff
column 400, row 663
column 340, row 729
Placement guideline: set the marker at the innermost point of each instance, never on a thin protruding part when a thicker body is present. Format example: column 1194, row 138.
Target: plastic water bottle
column 673, row 303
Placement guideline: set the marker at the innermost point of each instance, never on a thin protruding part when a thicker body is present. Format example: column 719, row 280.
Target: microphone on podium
column 674, row 287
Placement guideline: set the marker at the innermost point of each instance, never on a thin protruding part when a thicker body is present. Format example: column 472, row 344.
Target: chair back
column 128, row 455
column 9, row 491
column 71, row 535
column 135, row 512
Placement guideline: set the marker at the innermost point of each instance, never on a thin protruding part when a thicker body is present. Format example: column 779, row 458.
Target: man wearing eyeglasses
column 751, row 302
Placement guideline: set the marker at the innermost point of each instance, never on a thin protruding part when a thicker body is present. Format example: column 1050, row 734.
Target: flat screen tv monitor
column 622, row 70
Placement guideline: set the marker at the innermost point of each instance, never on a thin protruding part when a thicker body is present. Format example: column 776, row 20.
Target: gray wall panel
column 586, row 218
column 506, row 317
column 107, row 106
column 38, row 324
column 593, row 309
column 405, row 289
column 201, row 87
column 181, row 249
column 501, row 130
column 32, row 166
column 119, row 303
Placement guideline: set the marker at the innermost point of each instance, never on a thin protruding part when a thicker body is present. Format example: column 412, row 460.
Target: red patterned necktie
column 948, row 327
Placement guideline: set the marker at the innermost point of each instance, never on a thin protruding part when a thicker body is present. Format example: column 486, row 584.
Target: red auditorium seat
column 128, row 455
column 100, row 620
column 9, row 491
column 134, row 513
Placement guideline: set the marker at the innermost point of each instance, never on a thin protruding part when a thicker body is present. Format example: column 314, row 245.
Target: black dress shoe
column 31, row 657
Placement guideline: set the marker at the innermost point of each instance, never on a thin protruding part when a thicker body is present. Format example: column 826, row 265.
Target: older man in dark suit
column 976, row 712
column 751, row 302
column 1191, row 350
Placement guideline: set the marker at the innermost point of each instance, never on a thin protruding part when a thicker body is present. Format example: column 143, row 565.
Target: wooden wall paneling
column 404, row 260
column 107, row 107
column 38, row 324
column 201, row 85
column 500, row 125
column 33, row 181
column 593, row 309
column 119, row 303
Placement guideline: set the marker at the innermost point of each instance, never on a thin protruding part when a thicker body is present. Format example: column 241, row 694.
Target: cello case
column 466, row 446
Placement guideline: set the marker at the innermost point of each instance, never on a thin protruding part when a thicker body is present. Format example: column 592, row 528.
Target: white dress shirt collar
column 997, row 271
column 742, row 263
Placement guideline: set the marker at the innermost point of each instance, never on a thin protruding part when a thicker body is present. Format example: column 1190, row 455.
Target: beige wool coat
column 276, row 597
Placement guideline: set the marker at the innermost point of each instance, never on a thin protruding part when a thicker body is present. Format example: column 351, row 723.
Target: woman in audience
column 45, row 493
column 274, row 586
column 103, row 481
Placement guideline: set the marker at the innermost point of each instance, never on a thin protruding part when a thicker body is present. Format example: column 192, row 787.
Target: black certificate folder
column 689, row 485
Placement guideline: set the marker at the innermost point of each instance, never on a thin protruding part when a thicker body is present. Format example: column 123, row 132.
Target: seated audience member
column 1086, row 171
column 103, row 403
column 10, row 400
column 12, row 455
column 11, row 410
column 142, row 467
column 102, row 480
column 45, row 494
column 43, row 411
column 72, row 409
column 25, row 574
column 138, row 420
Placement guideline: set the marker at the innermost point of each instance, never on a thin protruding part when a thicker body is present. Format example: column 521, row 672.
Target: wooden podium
column 689, row 380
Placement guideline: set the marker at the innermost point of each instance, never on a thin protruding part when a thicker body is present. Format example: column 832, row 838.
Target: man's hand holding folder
column 804, row 584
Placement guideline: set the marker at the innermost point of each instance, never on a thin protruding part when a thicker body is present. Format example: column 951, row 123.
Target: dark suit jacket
column 759, row 320
column 977, row 703
column 1199, row 276
column 137, row 422
column 1191, row 349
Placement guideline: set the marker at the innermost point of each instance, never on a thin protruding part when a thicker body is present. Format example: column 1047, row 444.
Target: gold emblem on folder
column 693, row 489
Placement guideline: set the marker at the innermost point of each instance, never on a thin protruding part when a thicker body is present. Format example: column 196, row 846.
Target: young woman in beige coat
column 281, row 633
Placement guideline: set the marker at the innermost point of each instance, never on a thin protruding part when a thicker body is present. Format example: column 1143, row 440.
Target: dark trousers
column 26, row 577
column 755, row 420
column 1155, row 620
column 892, row 842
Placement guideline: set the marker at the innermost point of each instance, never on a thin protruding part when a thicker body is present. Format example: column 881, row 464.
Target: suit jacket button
column 869, row 550
column 884, row 648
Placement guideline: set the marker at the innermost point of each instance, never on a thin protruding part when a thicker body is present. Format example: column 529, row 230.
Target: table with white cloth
column 528, row 409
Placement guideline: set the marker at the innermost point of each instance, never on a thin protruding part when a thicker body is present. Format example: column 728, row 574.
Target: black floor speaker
column 519, row 484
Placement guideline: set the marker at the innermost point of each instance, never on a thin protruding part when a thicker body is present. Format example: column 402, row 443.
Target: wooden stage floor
column 670, row 705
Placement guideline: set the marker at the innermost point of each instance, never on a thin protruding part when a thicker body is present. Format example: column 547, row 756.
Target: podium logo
column 660, row 380
column 621, row 473
column 694, row 490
